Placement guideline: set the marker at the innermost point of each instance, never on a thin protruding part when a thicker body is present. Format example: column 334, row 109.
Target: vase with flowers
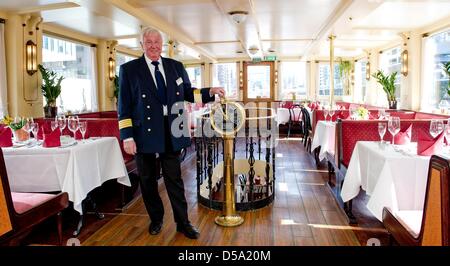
column 17, row 126
column 361, row 113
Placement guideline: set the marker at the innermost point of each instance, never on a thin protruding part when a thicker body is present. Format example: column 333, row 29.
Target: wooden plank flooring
column 303, row 213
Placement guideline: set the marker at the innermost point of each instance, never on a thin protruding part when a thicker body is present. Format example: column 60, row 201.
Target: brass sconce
column 111, row 68
column 31, row 57
column 405, row 63
column 241, row 79
column 368, row 70
column 276, row 76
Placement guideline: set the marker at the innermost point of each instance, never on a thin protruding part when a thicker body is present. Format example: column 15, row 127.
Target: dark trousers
column 171, row 169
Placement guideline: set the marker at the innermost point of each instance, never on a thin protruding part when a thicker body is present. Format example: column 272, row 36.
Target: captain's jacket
column 141, row 112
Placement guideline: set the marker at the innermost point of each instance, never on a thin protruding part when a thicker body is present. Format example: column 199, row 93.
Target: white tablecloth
column 324, row 136
column 76, row 169
column 283, row 115
column 391, row 178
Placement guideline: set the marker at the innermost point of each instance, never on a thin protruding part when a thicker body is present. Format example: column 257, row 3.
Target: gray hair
column 149, row 30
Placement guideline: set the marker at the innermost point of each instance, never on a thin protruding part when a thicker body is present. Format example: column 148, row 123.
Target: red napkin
column 52, row 139
column 6, row 137
column 428, row 147
column 403, row 137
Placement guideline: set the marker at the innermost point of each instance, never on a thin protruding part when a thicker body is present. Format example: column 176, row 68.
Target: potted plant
column 51, row 89
column 345, row 69
column 387, row 81
column 446, row 68
column 16, row 125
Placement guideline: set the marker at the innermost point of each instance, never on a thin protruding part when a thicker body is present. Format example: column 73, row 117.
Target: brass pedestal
column 229, row 217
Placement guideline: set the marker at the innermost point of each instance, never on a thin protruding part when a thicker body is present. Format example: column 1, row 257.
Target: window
column 360, row 80
column 435, row 82
column 195, row 75
column 76, row 63
column 293, row 80
column 122, row 59
column 224, row 75
column 324, row 80
column 390, row 61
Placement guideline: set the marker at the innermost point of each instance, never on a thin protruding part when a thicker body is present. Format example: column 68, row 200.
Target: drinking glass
column 35, row 130
column 394, row 126
column 54, row 125
column 61, row 122
column 381, row 114
column 331, row 112
column 381, row 130
column 72, row 124
column 447, row 134
column 83, row 127
column 436, row 127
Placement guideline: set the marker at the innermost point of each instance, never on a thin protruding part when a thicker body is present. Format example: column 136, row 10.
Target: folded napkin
column 52, row 139
column 5, row 137
column 428, row 147
column 403, row 137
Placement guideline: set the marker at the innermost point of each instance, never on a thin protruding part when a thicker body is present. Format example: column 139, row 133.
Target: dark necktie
column 160, row 84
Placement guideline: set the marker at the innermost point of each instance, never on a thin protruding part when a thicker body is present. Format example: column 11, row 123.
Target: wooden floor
column 303, row 213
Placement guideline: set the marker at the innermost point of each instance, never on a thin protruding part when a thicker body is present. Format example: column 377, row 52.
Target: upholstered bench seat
column 24, row 202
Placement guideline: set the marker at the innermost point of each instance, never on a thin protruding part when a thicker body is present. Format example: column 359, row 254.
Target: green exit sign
column 256, row 59
column 270, row 58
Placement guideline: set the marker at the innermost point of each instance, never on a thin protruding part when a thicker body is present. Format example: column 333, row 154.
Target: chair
column 295, row 116
column 20, row 212
column 307, row 129
column 429, row 227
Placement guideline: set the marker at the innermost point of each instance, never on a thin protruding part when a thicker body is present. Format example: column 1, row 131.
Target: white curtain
column 3, row 88
column 94, row 86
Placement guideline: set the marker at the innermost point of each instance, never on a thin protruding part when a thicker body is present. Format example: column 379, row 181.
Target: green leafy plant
column 51, row 85
column 387, row 81
column 14, row 124
column 446, row 68
column 345, row 68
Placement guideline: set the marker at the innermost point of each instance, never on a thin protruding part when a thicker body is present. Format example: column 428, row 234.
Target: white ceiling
column 204, row 30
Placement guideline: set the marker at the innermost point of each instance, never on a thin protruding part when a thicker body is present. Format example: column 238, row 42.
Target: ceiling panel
column 21, row 4
column 223, row 50
column 83, row 20
column 200, row 20
column 292, row 19
column 406, row 14
column 285, row 48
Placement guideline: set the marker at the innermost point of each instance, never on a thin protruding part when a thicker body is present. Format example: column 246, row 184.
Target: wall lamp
column 368, row 70
column 111, row 68
column 405, row 63
column 31, row 57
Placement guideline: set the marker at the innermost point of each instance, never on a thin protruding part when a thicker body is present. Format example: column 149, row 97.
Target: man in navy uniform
column 151, row 98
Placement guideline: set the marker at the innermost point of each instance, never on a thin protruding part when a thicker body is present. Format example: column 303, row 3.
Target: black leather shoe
column 155, row 228
column 188, row 230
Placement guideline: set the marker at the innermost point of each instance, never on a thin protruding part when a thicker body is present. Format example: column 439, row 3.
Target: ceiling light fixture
column 238, row 16
column 253, row 50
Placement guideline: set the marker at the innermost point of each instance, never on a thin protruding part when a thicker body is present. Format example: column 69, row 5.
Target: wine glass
column 325, row 113
column 394, row 126
column 83, row 127
column 35, row 130
column 381, row 114
column 61, row 122
column 447, row 133
column 331, row 112
column 381, row 130
column 72, row 124
column 53, row 124
column 436, row 127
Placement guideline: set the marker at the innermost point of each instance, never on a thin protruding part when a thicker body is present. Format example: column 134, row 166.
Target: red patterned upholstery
column 367, row 130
